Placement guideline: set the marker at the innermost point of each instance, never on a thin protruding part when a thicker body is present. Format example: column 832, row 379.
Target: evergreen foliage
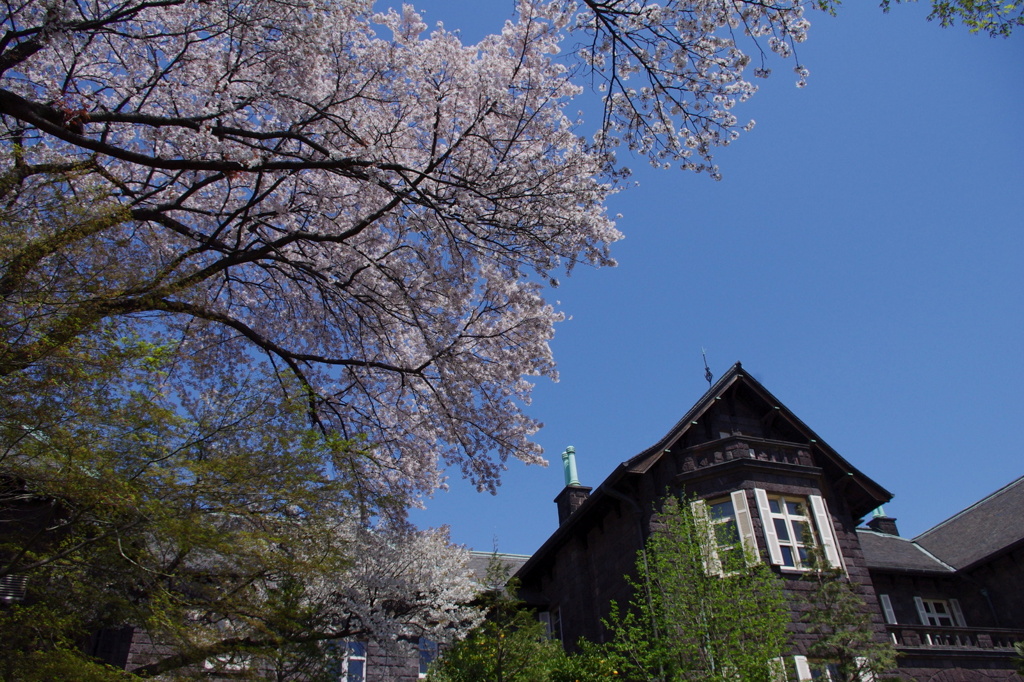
column 845, row 639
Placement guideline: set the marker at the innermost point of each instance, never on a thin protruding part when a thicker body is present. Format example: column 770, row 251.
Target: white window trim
column 708, row 544
column 887, row 612
column 955, row 612
column 351, row 656
column 821, row 522
column 803, row 669
column 745, row 524
column 826, row 532
column 770, row 537
column 552, row 621
column 958, row 615
column 804, row 674
column 744, row 527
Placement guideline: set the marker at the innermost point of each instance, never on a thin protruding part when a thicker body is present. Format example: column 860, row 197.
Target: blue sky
column 862, row 257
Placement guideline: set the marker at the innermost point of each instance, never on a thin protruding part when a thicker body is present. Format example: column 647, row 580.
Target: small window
column 828, row 672
column 12, row 588
column 552, row 621
column 730, row 533
column 428, row 653
column 887, row 611
column 725, row 534
column 939, row 612
column 353, row 663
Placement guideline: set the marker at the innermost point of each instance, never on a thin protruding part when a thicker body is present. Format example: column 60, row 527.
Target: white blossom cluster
column 343, row 196
column 673, row 72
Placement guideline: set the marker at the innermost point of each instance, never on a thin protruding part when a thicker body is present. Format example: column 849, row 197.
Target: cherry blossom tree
column 373, row 215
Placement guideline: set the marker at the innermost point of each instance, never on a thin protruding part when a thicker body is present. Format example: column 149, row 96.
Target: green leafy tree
column 589, row 663
column 836, row 615
column 688, row 623
column 511, row 645
column 995, row 17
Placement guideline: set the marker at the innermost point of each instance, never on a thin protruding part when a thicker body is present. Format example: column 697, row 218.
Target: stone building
column 758, row 466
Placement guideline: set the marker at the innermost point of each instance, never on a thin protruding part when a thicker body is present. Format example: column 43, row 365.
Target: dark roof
column 988, row 527
column 480, row 562
column 871, row 495
column 891, row 552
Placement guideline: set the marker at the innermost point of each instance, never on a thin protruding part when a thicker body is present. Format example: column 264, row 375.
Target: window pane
column 781, row 529
column 355, row 671
column 428, row 652
column 787, row 556
column 799, row 531
column 357, row 649
column 726, row 534
column 722, row 510
column 795, row 508
column 773, row 505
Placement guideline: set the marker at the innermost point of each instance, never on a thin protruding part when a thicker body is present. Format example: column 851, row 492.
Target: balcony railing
column 744, row 447
column 929, row 637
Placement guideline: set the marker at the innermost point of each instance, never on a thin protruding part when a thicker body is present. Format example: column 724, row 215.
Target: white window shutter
column 921, row 613
column 803, row 670
column 708, row 545
column 770, row 537
column 890, row 615
column 545, row 618
column 864, row 675
column 746, row 527
column 958, row 615
column 828, row 537
column 777, row 669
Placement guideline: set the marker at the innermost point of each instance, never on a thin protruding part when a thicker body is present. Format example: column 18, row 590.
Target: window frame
column 428, row 651
column 953, row 612
column 816, row 518
column 888, row 614
column 808, row 671
column 740, row 518
column 351, row 655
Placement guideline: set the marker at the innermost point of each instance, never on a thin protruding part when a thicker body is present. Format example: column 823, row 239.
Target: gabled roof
column 986, row 528
column 872, row 494
column 866, row 494
column 893, row 553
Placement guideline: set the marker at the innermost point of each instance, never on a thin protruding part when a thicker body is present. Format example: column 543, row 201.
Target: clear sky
column 862, row 257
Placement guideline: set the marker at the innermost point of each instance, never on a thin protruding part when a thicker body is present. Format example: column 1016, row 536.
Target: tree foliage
column 511, row 645
column 994, row 17
column 267, row 267
column 372, row 214
column 837, row 618
column 687, row 623
column 218, row 520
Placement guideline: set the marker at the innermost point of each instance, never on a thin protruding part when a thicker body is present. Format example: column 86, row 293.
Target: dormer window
column 793, row 525
column 730, row 532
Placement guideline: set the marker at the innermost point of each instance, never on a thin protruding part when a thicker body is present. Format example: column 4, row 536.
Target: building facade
column 749, row 461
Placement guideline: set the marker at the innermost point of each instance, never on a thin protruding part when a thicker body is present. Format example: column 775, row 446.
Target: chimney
column 880, row 523
column 574, row 494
